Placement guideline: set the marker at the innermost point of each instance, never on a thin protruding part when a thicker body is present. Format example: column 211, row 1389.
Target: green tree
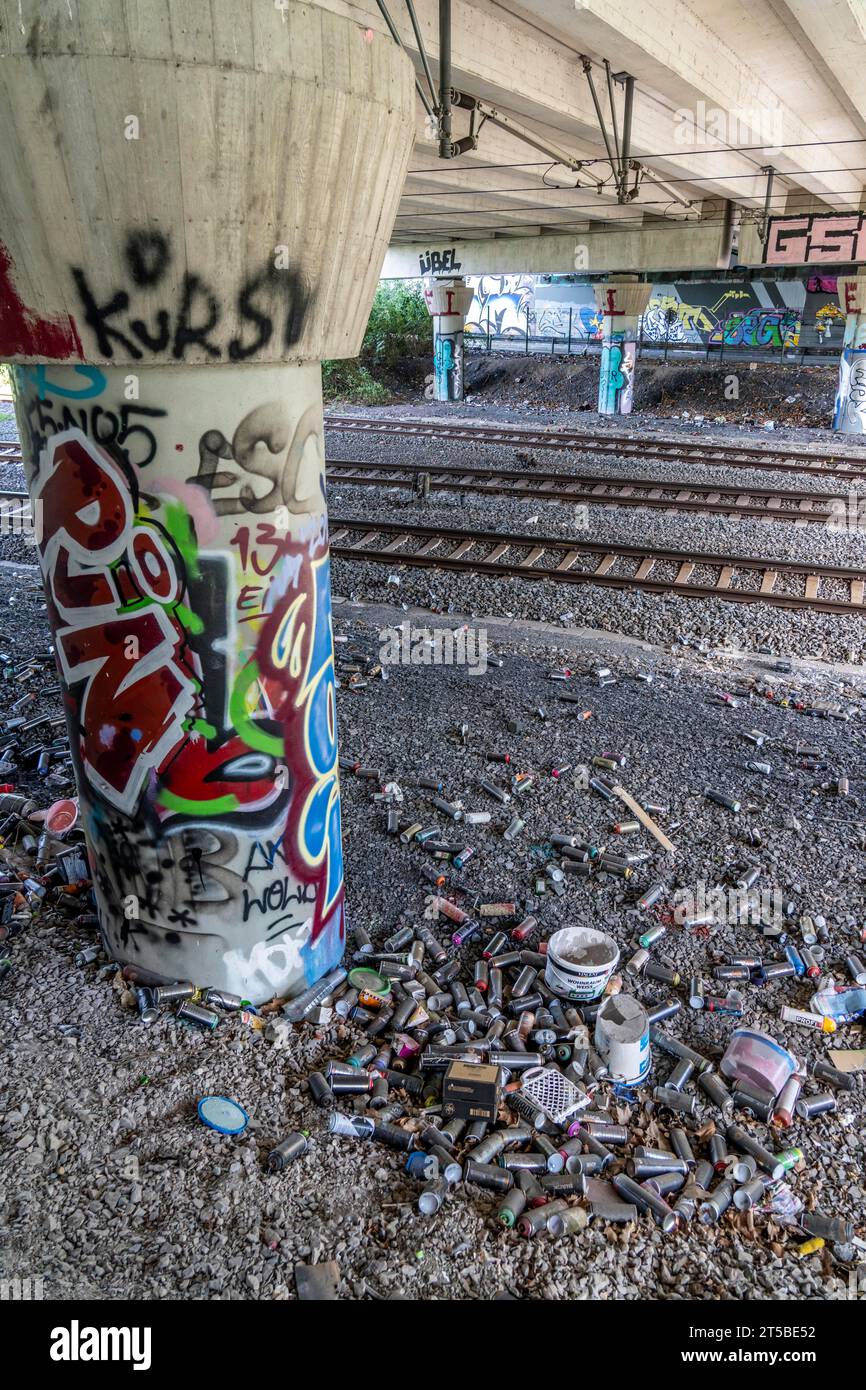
column 398, row 328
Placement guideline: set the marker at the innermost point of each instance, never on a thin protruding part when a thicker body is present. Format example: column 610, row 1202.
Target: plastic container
column 580, row 961
column 622, row 1038
column 62, row 816
column 843, row 1005
column 757, row 1059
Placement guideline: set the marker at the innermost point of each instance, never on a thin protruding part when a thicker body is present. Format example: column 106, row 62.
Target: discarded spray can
column 222, row 999
column 783, row 1115
column 770, row 1164
column 646, row 1200
column 488, row 1175
column 827, row 1227
column 730, row 803
column 188, row 1012
column 675, row 1100
column 173, row 994
column 531, row 1222
column 653, row 934
column 809, row 1107
column 288, row 1149
column 303, row 1004
column 432, row 1196
column 351, row 1126
column 825, row 1071
column 712, row 1210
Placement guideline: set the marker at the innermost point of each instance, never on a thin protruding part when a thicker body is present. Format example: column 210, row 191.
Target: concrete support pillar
column 176, row 220
column 449, row 302
column 621, row 300
column 849, row 416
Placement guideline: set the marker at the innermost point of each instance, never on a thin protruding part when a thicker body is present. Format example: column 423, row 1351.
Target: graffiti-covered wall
column 759, row 313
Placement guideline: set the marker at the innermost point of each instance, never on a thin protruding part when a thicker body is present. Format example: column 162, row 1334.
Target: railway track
column 546, row 486
column 690, row 574
column 828, row 463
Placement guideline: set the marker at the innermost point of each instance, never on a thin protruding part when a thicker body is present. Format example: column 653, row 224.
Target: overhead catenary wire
column 672, row 154
column 533, row 188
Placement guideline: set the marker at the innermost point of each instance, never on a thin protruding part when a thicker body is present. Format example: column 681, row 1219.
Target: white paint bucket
column 580, row 961
column 622, row 1038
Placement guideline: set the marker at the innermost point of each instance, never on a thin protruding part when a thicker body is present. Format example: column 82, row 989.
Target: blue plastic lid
column 222, row 1114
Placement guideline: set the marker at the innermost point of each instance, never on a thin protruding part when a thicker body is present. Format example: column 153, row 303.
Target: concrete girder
column 510, row 58
column 653, row 247
column 667, row 44
column 836, row 29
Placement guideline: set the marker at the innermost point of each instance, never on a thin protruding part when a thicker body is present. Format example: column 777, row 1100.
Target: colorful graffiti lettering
column 112, row 578
column 759, row 328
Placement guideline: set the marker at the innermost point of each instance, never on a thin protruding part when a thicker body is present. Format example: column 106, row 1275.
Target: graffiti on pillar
column 190, row 602
column 849, row 415
column 616, row 379
column 448, row 366
column 121, row 426
column 23, row 332
column 270, row 303
column 439, row 262
column 816, row 238
column 112, row 577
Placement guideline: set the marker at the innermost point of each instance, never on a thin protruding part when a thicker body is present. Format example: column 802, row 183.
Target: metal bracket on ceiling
column 618, row 146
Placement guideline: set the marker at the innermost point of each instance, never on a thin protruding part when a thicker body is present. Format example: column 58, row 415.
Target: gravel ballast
column 114, row 1189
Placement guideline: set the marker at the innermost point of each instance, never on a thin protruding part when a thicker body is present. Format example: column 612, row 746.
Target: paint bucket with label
column 622, row 1038
column 580, row 961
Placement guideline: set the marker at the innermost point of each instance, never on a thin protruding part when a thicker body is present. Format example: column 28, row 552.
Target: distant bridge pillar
column 191, row 222
column 621, row 301
column 448, row 302
column 849, row 416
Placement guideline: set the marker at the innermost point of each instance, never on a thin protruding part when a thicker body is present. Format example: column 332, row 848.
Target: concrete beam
column 512, row 61
column 691, row 246
column 836, row 29
column 667, row 44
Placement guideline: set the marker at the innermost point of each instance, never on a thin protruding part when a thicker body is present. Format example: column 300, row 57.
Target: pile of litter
column 495, row 1058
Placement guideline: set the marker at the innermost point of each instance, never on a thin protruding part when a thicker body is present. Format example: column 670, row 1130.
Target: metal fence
column 818, row 341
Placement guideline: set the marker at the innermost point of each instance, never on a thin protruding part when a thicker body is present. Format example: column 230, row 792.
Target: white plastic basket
column 552, row 1093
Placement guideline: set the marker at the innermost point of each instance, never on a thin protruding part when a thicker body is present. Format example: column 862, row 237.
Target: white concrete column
column 849, row 416
column 621, row 300
column 181, row 233
column 449, row 302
